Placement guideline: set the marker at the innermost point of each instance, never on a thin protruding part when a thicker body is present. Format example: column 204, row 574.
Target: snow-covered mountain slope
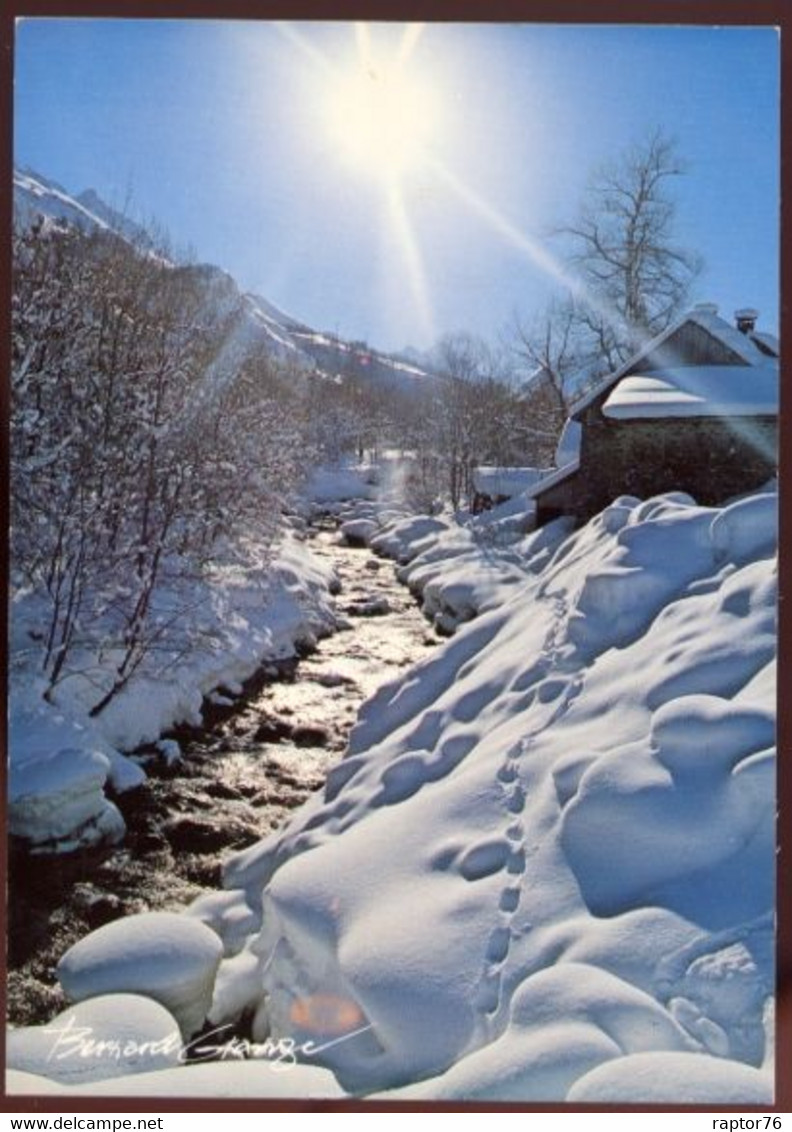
column 36, row 196
column 263, row 327
column 115, row 220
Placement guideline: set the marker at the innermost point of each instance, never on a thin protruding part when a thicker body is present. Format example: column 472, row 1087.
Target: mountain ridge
column 267, row 327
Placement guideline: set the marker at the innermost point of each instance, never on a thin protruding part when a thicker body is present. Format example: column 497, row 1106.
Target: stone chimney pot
column 746, row 318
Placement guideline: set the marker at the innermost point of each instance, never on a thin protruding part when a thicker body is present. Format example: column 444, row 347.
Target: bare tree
column 476, row 414
column 145, row 447
column 633, row 279
column 622, row 246
column 548, row 346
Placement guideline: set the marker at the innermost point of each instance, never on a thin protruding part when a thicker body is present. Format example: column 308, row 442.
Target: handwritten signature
column 281, row 1054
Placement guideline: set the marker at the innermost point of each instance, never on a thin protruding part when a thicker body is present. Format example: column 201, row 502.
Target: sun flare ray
column 363, row 41
column 412, row 33
column 533, row 250
column 304, row 45
column 413, row 261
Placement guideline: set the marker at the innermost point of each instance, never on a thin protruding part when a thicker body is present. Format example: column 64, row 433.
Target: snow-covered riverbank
column 239, row 614
column 545, row 867
column 254, row 759
column 61, row 759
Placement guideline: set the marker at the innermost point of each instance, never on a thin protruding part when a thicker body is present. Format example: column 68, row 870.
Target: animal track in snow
column 559, row 690
column 484, row 860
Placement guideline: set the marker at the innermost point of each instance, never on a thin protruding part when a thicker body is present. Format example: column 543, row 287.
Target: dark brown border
column 707, row 12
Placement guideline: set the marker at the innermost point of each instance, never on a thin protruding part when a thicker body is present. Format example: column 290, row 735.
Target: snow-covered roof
column 705, row 316
column 505, row 481
column 697, row 391
column 742, row 344
column 558, row 476
column 768, row 341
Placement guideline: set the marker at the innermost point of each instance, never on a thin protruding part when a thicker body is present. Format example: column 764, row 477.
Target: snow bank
column 673, row 1078
column 506, row 522
column 162, row 955
column 19, row 1083
column 461, row 571
column 404, row 539
column 563, row 1021
column 233, row 920
column 683, row 800
column 237, row 618
column 347, row 481
column 457, row 570
column 550, row 849
column 278, row 1076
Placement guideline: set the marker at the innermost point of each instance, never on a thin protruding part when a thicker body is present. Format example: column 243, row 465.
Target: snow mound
column 748, row 529
column 125, row 774
column 358, row 532
column 108, row 1036
column 461, row 571
column 564, row 1020
column 551, row 844
column 161, row 955
column 684, row 801
column 505, row 523
column 18, row 1083
column 57, row 801
column 673, row 1078
column 333, row 485
column 403, row 538
column 458, row 577
column 228, row 915
column 279, row 1076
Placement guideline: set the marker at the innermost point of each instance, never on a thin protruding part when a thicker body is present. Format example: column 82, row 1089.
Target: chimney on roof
column 706, row 308
column 746, row 319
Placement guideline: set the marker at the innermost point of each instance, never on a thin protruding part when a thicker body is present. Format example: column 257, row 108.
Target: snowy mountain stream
column 255, row 760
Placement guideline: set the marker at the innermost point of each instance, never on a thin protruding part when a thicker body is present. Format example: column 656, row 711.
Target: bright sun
column 381, row 117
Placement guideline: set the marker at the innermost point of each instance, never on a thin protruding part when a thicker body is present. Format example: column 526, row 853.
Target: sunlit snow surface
column 697, row 391
column 551, row 844
column 544, row 870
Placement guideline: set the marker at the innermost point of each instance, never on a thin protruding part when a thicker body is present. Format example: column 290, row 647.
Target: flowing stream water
column 240, row 775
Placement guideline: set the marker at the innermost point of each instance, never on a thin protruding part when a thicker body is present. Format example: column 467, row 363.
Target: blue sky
column 222, row 132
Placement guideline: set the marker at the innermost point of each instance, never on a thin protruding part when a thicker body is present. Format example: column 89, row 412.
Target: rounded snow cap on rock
column 165, row 956
column 123, row 1033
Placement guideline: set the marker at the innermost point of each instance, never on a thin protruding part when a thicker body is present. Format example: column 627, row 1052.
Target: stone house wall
column 711, row 458
column 561, row 499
